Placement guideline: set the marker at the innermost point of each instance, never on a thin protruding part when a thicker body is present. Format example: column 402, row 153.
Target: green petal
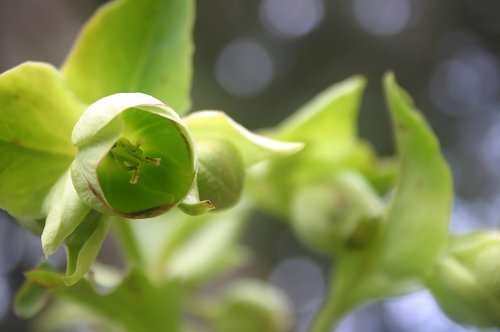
column 215, row 125
column 65, row 212
column 130, row 46
column 83, row 245
column 37, row 114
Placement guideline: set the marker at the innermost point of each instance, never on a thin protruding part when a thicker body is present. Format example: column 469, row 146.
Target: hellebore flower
column 342, row 213
column 251, row 305
column 135, row 156
column 466, row 281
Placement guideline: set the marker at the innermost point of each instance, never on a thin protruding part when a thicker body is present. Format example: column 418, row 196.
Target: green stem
column 332, row 309
column 128, row 242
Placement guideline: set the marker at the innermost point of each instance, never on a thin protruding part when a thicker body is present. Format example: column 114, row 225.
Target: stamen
column 130, row 157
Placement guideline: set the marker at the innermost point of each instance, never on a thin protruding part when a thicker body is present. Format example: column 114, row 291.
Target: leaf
column 30, row 300
column 137, row 303
column 211, row 250
column 327, row 126
column 83, row 245
column 422, row 201
column 135, row 46
column 193, row 206
column 215, row 125
column 328, row 121
column 37, row 114
column 416, row 226
column 201, row 246
column 65, row 212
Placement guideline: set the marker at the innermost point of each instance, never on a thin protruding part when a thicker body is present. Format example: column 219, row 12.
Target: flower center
column 130, row 157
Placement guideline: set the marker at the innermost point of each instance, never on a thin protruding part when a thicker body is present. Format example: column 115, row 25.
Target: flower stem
column 128, row 242
column 331, row 311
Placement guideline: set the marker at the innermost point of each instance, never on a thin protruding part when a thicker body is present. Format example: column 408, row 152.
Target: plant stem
column 128, row 242
column 331, row 310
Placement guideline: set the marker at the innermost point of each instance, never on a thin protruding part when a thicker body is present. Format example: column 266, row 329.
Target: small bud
column 220, row 173
column 135, row 156
column 250, row 306
column 337, row 215
column 466, row 282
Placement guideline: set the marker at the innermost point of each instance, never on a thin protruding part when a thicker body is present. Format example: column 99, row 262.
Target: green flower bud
column 135, row 156
column 466, row 282
column 251, row 306
column 221, row 173
column 337, row 215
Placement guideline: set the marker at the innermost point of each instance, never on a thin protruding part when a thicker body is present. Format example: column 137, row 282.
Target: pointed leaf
column 327, row 125
column 30, row 300
column 416, row 225
column 329, row 121
column 37, row 114
column 215, row 125
column 135, row 46
column 193, row 206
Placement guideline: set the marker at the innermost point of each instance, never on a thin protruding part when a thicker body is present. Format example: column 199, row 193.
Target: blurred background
column 260, row 60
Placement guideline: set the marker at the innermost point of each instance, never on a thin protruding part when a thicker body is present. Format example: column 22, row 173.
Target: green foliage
column 129, row 156
column 327, row 126
column 34, row 99
column 137, row 304
column 135, row 45
column 414, row 230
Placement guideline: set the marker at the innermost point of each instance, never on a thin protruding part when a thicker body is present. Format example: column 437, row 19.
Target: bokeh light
column 4, row 297
column 418, row 312
column 382, row 17
column 291, row 18
column 11, row 245
column 244, row 68
column 303, row 281
column 466, row 82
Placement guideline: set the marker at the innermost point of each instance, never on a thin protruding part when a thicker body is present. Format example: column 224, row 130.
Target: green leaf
column 65, row 212
column 83, row 245
column 327, row 125
column 30, row 300
column 416, row 225
column 330, row 117
column 135, row 46
column 137, row 303
column 213, row 249
column 420, row 210
column 215, row 125
column 193, row 206
column 37, row 114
